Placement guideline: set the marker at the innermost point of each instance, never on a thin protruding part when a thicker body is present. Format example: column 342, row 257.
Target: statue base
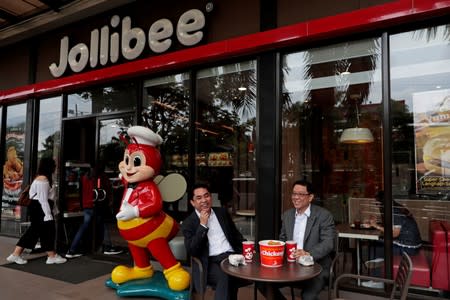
column 155, row 286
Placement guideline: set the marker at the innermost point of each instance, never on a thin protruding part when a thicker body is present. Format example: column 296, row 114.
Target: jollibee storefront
column 249, row 96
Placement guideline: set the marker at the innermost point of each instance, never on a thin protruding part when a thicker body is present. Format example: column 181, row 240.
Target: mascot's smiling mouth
column 130, row 174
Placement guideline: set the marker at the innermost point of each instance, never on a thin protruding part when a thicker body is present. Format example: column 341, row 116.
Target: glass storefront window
column 116, row 98
column 327, row 91
column 225, row 131
column 49, row 133
column 110, row 154
column 166, row 110
column 420, row 105
column 110, row 147
column 13, row 148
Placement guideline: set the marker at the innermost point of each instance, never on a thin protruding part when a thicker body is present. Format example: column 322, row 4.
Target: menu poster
column 432, row 141
column 13, row 167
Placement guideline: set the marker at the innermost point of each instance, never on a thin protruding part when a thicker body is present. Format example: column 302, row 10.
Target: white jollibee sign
column 130, row 43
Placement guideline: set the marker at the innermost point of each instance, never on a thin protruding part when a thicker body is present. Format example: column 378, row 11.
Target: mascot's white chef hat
column 144, row 136
column 145, row 140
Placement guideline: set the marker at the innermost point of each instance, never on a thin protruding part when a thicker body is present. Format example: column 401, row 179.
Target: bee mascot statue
column 140, row 220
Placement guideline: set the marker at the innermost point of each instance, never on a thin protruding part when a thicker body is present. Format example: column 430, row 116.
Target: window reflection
column 49, row 127
column 420, row 101
column 225, row 135
column 49, row 134
column 110, row 148
column 120, row 97
column 325, row 91
column 166, row 111
column 420, row 92
column 110, row 153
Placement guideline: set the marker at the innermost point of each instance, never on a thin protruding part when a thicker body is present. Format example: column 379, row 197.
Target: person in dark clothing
column 211, row 236
column 96, row 199
column 405, row 233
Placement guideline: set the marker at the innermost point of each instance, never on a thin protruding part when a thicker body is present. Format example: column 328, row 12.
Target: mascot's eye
column 127, row 159
column 137, row 161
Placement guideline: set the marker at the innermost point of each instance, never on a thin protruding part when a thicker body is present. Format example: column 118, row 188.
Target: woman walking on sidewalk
column 42, row 225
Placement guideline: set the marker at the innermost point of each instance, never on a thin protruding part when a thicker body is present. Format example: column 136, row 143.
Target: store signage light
column 106, row 46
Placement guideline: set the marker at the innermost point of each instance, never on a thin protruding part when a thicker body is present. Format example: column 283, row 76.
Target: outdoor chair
column 400, row 283
column 195, row 261
column 334, row 268
column 204, row 285
column 333, row 274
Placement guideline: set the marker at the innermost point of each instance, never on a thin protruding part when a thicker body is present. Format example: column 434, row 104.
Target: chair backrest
column 403, row 278
column 336, row 266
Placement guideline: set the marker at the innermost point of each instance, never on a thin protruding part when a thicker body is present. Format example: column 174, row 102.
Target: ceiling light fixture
column 356, row 135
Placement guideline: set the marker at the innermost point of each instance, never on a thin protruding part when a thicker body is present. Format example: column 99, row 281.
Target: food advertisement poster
column 13, row 167
column 432, row 141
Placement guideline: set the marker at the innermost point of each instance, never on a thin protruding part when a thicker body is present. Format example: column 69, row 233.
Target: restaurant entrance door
column 88, row 142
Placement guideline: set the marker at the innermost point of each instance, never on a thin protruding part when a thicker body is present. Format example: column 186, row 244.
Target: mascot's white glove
column 127, row 212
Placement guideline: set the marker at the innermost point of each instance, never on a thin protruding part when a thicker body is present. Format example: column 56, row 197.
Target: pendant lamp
column 356, row 135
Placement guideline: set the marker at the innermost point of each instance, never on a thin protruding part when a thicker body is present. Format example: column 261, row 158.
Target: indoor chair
column 400, row 283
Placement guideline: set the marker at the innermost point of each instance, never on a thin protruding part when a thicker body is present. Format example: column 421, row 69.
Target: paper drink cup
column 248, row 250
column 271, row 253
column 291, row 246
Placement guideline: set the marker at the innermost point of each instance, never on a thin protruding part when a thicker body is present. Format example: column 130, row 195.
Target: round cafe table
column 289, row 272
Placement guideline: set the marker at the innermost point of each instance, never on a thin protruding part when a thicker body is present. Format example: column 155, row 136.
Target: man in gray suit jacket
column 313, row 228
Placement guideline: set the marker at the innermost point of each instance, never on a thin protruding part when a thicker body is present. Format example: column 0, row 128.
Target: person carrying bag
column 42, row 222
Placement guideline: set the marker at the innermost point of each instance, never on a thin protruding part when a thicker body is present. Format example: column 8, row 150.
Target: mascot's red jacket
column 151, row 230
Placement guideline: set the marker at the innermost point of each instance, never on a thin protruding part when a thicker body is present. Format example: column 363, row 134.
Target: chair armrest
column 333, row 270
column 197, row 261
column 355, row 276
column 334, row 263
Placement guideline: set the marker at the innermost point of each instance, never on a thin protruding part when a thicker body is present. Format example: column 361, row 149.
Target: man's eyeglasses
column 300, row 195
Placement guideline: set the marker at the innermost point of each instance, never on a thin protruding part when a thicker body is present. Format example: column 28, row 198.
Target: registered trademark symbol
column 209, row 7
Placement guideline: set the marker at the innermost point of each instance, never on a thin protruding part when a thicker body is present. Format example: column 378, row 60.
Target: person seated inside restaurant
column 313, row 229
column 211, row 235
column 405, row 233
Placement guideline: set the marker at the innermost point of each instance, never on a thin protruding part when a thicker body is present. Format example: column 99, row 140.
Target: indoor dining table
column 348, row 232
column 289, row 272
